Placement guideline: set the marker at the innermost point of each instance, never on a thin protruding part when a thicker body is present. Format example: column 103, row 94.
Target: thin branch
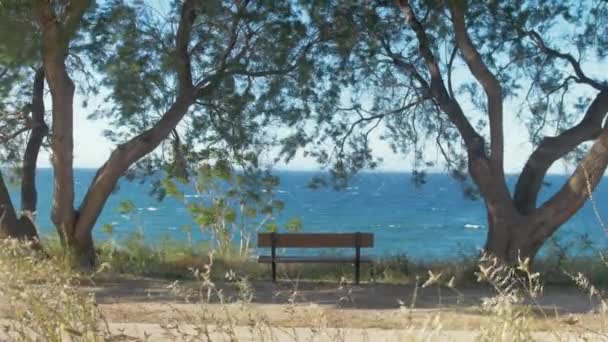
column 569, row 58
column 6, row 139
column 450, row 67
column 450, row 106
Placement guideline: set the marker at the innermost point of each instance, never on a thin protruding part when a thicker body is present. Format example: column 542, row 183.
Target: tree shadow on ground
column 365, row 296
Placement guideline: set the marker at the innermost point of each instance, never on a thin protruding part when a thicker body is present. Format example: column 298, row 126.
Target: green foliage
column 294, row 225
column 107, row 229
column 126, row 207
column 231, row 206
column 253, row 59
column 272, row 227
column 373, row 70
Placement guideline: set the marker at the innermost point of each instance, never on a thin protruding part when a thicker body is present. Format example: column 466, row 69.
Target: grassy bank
column 172, row 259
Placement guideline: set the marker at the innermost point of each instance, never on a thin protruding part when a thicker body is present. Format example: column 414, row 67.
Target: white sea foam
column 152, row 209
column 473, row 226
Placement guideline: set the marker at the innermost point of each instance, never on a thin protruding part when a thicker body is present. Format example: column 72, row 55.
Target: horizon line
column 305, row 170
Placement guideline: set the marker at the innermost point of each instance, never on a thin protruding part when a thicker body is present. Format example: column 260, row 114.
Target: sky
column 91, row 149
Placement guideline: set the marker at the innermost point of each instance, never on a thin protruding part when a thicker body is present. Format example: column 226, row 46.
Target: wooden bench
column 316, row 240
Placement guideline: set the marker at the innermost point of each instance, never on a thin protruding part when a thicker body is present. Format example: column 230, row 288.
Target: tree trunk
column 29, row 195
column 82, row 248
column 10, row 225
column 513, row 237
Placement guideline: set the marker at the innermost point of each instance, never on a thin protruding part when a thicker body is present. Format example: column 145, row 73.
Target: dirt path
column 148, row 307
column 312, row 304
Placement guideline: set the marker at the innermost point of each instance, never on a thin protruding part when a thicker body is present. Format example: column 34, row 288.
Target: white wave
column 282, row 191
column 473, row 226
column 172, row 228
column 152, row 209
column 192, row 196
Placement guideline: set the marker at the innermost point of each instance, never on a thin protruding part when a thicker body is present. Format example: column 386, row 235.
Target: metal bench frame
column 315, row 240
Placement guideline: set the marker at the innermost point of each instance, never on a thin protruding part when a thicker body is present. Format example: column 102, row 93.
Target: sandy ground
column 306, row 311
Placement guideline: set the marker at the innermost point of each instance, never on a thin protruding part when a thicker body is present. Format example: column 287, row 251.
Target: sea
column 432, row 221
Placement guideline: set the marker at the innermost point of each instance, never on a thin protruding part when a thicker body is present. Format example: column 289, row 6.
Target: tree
column 227, row 69
column 447, row 72
column 23, row 127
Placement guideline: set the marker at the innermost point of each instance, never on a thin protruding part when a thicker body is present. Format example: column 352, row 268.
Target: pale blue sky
column 92, row 149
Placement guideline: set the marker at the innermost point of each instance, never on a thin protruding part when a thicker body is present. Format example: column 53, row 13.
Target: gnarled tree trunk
column 75, row 226
column 510, row 238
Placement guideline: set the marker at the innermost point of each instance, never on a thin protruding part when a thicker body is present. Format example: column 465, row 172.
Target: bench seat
column 276, row 241
column 267, row 259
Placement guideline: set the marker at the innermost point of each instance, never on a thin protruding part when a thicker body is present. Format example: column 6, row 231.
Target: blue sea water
column 432, row 221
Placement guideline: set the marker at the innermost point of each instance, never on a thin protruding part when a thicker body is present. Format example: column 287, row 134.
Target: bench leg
column 274, row 272
column 357, row 264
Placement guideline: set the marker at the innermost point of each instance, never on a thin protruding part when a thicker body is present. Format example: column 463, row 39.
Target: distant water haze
column 433, row 221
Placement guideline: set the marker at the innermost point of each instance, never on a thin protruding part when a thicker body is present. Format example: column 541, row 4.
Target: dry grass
column 50, row 305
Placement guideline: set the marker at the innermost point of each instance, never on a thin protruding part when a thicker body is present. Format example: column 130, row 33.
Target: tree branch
column 6, row 139
column 573, row 195
column 30, row 156
column 489, row 82
column 553, row 148
column 73, row 16
column 492, row 186
column 182, row 40
column 133, row 150
column 582, row 77
column 472, row 139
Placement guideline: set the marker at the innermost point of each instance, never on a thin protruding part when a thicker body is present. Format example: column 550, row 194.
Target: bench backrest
column 316, row 240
